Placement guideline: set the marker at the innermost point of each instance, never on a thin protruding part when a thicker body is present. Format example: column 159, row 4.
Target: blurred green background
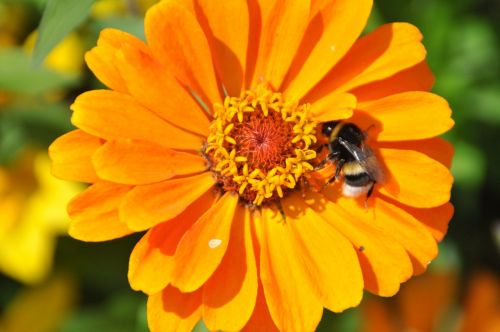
column 85, row 287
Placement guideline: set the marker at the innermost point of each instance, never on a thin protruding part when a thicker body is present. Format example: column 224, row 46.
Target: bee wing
column 365, row 157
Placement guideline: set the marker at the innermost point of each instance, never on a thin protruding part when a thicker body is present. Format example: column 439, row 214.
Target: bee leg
column 281, row 210
column 321, row 164
column 303, row 183
column 340, row 164
column 370, row 191
column 329, row 158
column 368, row 194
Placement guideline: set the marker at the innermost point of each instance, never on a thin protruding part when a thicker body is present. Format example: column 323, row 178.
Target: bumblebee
column 355, row 159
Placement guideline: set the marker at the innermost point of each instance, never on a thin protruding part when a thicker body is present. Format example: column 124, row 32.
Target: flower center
column 259, row 144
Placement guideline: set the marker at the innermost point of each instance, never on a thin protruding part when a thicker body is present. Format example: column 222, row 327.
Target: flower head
column 210, row 138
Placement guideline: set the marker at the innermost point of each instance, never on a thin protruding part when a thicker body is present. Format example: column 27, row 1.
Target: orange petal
column 94, row 213
column 405, row 116
column 227, row 24
column 281, row 34
column 164, row 200
column 382, row 53
column 384, row 262
column 415, row 179
column 201, row 249
column 102, row 58
column 291, row 295
column 261, row 318
column 325, row 250
column 229, row 295
column 171, row 310
column 140, row 162
column 177, row 40
column 435, row 148
column 71, row 156
column 152, row 260
column 405, row 229
column 416, row 78
column 113, row 115
column 258, row 11
column 332, row 30
column 436, row 219
column 154, row 87
column 332, row 107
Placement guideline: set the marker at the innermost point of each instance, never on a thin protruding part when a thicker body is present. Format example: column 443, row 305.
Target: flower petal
column 405, row 116
column 332, row 107
column 435, row 148
column 331, row 32
column 290, row 293
column 384, row 262
column 281, row 34
column 416, row 78
column 164, row 200
column 261, row 318
column 435, row 219
column 325, row 250
column 102, row 58
column 71, row 156
column 113, row 115
column 229, row 295
column 139, row 162
column 177, row 40
column 154, row 87
column 201, row 249
column 382, row 53
column 94, row 213
column 405, row 229
column 152, row 260
column 171, row 310
column 227, row 27
column 415, row 179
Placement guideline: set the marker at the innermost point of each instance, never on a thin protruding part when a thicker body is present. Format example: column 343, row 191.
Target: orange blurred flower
column 207, row 135
column 431, row 303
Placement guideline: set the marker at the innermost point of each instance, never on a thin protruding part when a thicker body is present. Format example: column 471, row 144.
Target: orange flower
column 209, row 139
column 431, row 303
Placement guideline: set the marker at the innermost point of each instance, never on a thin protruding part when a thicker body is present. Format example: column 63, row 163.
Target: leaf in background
column 59, row 18
column 41, row 122
column 12, row 139
column 119, row 313
column 469, row 165
column 18, row 75
column 130, row 24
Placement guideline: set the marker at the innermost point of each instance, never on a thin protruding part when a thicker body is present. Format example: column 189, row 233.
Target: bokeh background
column 50, row 282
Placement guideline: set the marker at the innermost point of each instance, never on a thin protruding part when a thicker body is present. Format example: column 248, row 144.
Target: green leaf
column 131, row 24
column 59, row 18
column 18, row 76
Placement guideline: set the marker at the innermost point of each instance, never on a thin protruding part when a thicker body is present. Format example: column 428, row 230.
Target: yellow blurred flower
column 33, row 214
column 66, row 57
column 105, row 8
column 40, row 309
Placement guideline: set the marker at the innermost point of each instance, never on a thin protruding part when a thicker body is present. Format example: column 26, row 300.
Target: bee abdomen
column 357, row 179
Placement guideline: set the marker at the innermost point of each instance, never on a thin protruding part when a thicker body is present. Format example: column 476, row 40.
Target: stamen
column 259, row 144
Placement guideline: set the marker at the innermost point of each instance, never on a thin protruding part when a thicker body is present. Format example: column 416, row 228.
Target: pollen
column 260, row 145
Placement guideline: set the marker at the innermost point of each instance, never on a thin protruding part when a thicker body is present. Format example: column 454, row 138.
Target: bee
column 355, row 159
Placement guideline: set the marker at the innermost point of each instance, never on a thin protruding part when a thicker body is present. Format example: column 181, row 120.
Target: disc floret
column 260, row 145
